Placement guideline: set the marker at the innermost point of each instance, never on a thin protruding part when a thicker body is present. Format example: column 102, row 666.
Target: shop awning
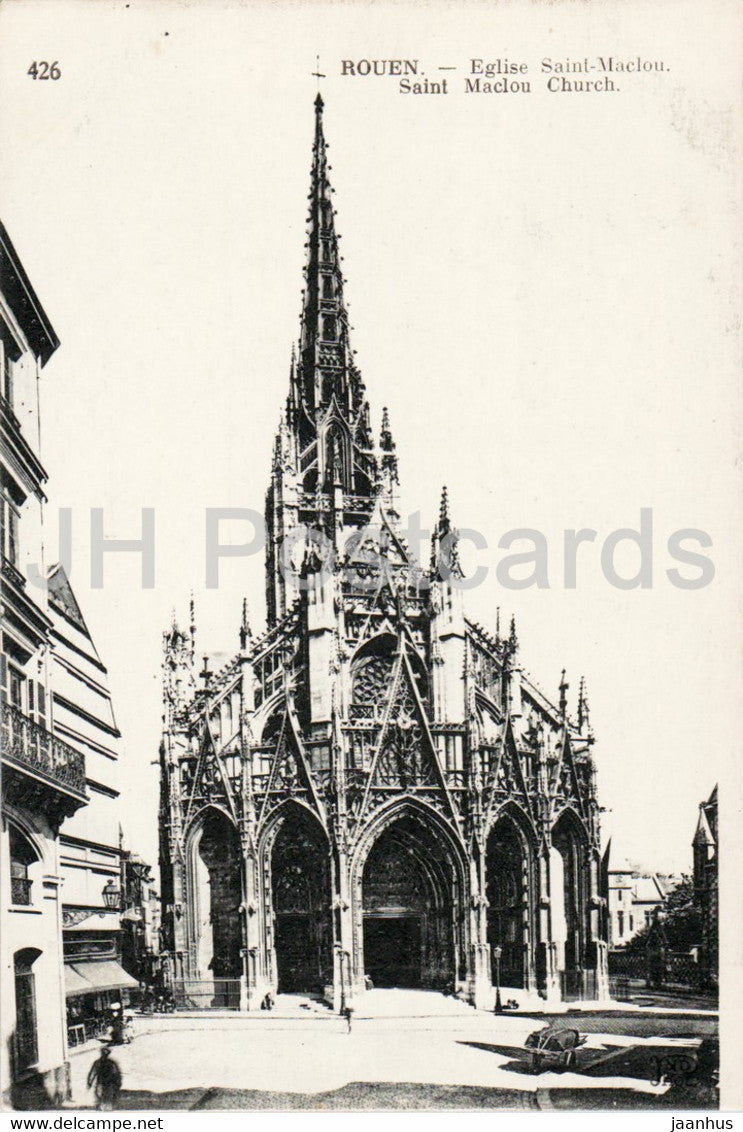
column 73, row 982
column 101, row 975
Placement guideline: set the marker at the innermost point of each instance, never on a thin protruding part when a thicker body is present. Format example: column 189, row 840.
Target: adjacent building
column 706, row 873
column 90, row 856
column 634, row 898
column 140, row 920
column 373, row 791
column 43, row 777
column 60, row 864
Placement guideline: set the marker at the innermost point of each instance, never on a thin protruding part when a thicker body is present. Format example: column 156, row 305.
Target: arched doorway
column 569, row 879
column 300, row 881
column 509, row 882
column 217, row 885
column 408, row 887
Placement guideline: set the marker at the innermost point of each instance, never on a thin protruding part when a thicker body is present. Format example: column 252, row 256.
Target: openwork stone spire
column 325, row 473
column 326, row 368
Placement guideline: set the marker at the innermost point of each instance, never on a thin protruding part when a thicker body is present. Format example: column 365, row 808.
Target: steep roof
column 23, row 301
column 63, row 599
column 649, row 890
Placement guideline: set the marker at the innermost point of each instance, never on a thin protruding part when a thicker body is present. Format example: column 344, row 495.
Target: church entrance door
column 407, row 894
column 393, row 950
column 300, row 874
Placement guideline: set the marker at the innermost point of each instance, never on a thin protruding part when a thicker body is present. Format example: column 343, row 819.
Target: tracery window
column 371, row 686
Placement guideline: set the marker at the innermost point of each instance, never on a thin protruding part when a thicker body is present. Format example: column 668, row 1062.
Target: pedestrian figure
column 105, row 1080
column 348, row 1014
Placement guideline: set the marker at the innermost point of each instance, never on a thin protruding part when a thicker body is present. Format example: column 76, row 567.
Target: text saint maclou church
column 503, row 75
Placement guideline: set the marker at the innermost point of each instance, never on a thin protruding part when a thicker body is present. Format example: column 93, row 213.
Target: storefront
column 94, row 977
column 92, row 988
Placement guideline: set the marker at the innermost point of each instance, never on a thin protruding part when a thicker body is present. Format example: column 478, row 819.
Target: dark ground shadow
column 354, row 1096
column 682, row 1098
column 521, row 1059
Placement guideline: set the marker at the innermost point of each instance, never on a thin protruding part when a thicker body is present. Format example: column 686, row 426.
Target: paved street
column 457, row 1057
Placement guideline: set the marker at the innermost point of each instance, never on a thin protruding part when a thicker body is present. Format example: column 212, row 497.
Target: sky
column 543, row 289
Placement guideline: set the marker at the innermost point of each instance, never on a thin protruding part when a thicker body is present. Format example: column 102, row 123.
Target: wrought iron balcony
column 29, row 744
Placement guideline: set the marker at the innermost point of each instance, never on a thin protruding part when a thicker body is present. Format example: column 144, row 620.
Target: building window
column 25, row 1044
column 632, row 923
column 41, row 703
column 620, row 924
column 329, row 329
column 620, row 896
column 22, row 856
column 9, row 529
column 7, row 373
column 16, row 682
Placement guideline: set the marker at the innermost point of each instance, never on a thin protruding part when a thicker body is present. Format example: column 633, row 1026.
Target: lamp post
column 340, row 952
column 112, row 896
column 497, row 952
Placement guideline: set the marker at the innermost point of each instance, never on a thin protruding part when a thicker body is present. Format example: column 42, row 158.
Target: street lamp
column 112, row 895
column 497, row 952
column 341, row 974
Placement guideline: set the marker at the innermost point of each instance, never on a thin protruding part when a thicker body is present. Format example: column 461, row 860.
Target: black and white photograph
column 371, row 555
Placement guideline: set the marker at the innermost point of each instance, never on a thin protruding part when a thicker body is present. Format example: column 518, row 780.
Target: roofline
column 23, row 300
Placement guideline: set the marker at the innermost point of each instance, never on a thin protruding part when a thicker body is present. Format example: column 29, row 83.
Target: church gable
column 376, row 552
column 207, row 782
column 506, row 778
column 567, row 785
column 290, row 775
column 405, row 757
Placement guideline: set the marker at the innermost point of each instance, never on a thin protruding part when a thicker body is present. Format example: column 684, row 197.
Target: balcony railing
column 11, row 571
column 29, row 743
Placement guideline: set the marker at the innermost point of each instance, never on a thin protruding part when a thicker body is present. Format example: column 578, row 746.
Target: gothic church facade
column 372, row 792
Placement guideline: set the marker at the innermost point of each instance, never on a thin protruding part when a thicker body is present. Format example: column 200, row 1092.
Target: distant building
column 650, row 893
column 140, row 919
column 706, row 885
column 43, row 777
column 89, row 843
column 633, row 898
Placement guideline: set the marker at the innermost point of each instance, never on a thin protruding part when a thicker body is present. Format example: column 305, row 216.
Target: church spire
column 325, row 359
column 325, row 473
column 445, row 543
column 584, row 716
column 388, row 470
column 563, row 695
column 246, row 635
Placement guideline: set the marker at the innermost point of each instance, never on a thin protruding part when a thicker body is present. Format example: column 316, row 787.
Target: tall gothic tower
column 372, row 792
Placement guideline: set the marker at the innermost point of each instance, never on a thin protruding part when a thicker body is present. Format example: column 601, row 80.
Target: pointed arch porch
column 408, row 886
column 511, row 881
column 295, row 878
column 569, row 898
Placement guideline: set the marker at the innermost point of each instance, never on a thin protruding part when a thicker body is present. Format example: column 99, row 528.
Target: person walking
column 105, row 1080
